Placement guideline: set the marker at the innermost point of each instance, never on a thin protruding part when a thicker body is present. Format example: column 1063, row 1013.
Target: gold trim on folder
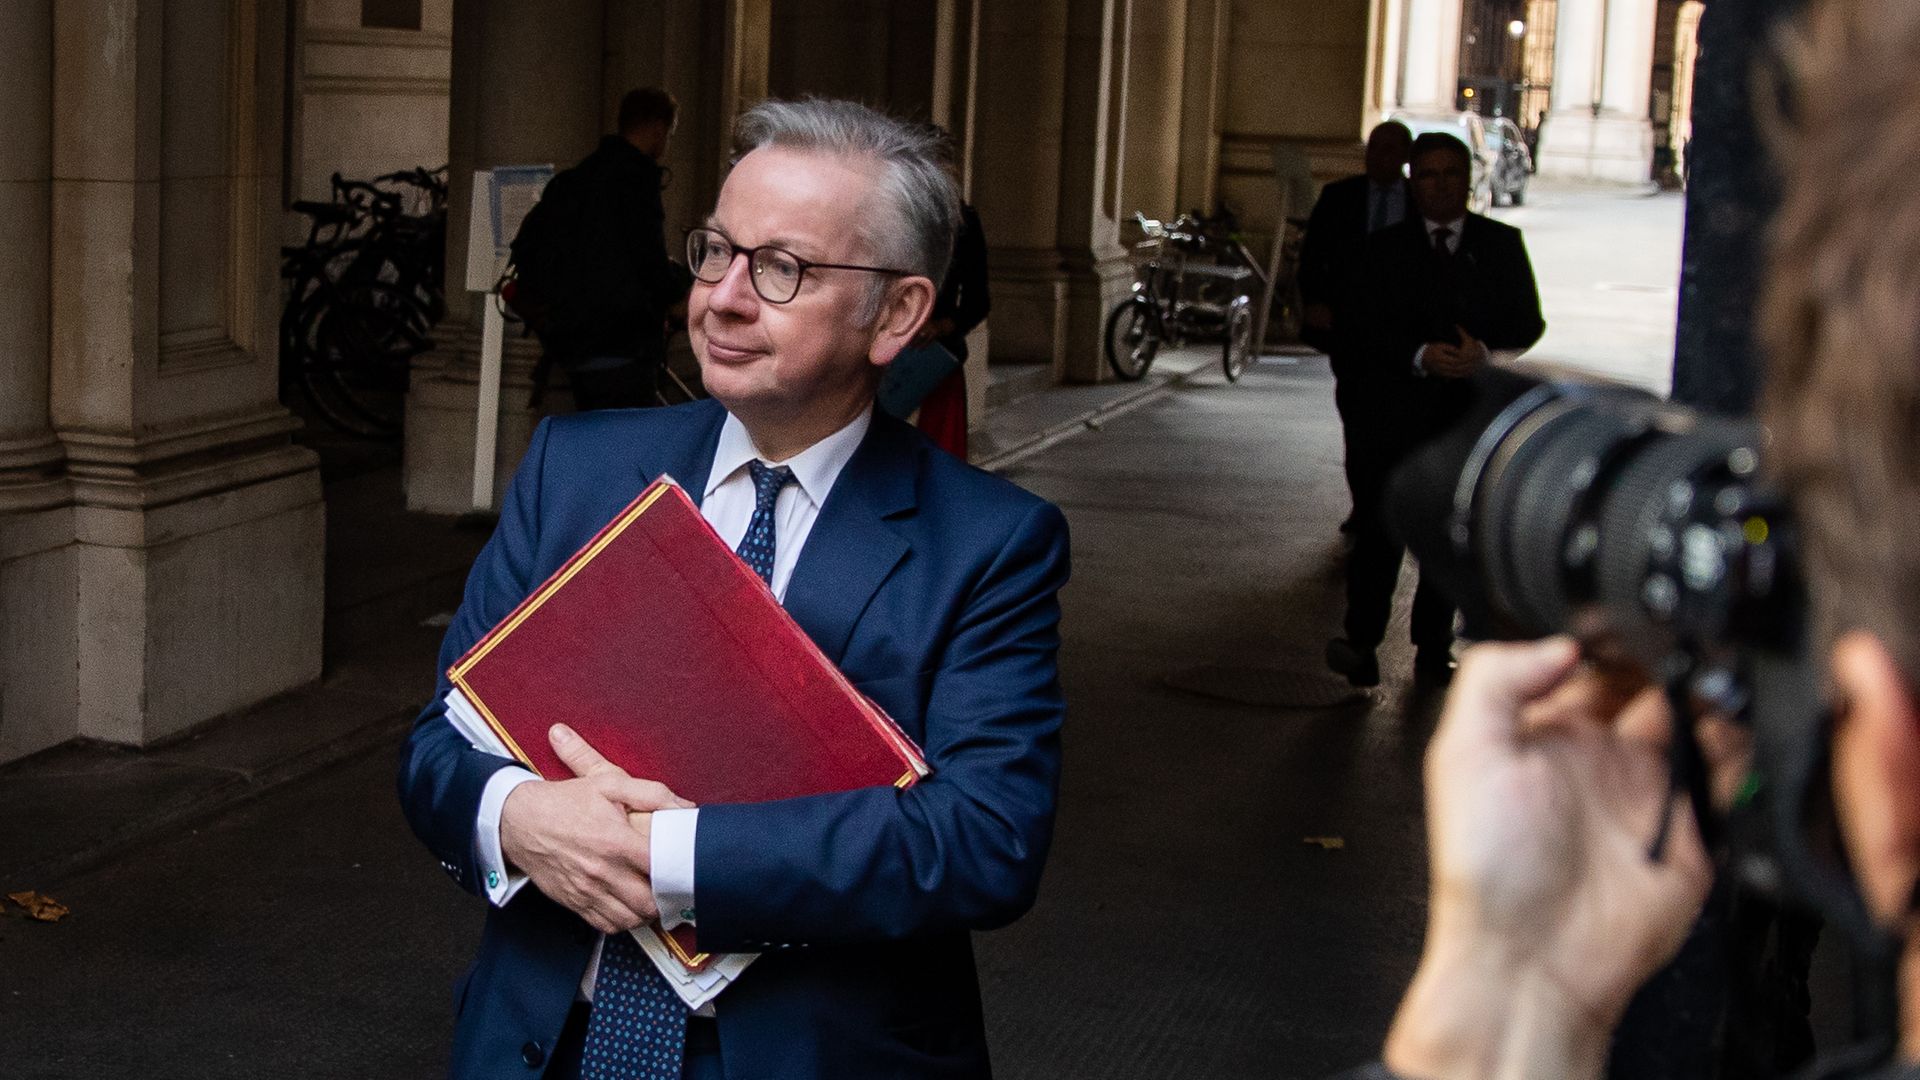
column 609, row 536
column 533, row 604
column 680, row 954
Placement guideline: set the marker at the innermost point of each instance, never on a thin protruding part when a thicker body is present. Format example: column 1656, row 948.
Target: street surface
column 1608, row 265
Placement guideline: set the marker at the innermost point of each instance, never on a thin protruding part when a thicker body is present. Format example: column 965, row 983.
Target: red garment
column 943, row 414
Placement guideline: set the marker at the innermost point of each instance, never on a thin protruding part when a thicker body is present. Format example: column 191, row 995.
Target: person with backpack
column 593, row 279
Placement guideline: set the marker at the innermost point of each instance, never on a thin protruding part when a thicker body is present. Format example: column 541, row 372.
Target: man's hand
column 1437, row 358
column 584, row 842
column 1456, row 361
column 1544, row 790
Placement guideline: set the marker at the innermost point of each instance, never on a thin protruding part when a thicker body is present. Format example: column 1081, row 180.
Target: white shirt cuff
column 501, row 881
column 672, row 865
column 1418, row 367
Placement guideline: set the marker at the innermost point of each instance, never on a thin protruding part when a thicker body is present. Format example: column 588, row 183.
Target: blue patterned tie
column 756, row 548
column 638, row 1027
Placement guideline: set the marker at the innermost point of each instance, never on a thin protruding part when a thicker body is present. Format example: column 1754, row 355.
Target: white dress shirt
column 727, row 504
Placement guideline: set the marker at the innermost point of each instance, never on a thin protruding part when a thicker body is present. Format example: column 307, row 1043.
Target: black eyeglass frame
column 753, row 275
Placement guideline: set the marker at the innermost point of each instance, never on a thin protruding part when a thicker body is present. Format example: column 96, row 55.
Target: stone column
column 197, row 524
column 1205, row 79
column 1046, row 176
column 38, row 642
column 1430, row 57
column 1386, row 46
column 1156, row 71
column 1597, row 125
column 660, row 43
column 507, row 108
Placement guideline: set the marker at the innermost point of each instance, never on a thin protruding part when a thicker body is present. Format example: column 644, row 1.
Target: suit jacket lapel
column 852, row 548
column 690, row 460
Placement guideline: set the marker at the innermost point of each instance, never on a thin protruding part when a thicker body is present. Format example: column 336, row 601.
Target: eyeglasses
column 776, row 273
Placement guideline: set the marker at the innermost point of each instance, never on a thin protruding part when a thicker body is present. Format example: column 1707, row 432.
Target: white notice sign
column 501, row 199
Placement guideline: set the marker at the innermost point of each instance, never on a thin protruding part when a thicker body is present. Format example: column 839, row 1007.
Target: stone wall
column 366, row 101
column 160, row 536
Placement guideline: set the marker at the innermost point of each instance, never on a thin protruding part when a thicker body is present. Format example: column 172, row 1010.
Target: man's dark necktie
column 756, row 548
column 1446, row 287
column 638, row 1027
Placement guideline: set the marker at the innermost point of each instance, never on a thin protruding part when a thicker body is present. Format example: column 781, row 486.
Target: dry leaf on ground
column 38, row 906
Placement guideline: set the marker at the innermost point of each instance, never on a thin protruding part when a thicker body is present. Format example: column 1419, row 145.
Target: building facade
column 161, row 528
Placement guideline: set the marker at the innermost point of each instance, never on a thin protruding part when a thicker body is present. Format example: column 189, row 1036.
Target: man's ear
column 1881, row 763
column 908, row 305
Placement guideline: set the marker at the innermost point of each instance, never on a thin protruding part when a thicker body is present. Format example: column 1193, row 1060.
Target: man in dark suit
column 594, row 277
column 1345, row 214
column 1431, row 300
column 929, row 583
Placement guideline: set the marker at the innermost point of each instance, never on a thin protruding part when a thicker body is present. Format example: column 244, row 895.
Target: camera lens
column 1550, row 501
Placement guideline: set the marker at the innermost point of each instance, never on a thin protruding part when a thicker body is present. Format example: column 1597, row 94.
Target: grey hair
column 915, row 181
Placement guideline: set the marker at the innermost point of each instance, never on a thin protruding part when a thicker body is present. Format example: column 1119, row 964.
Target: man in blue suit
column 931, row 584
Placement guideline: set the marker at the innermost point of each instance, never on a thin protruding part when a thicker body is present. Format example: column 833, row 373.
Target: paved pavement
column 1608, row 265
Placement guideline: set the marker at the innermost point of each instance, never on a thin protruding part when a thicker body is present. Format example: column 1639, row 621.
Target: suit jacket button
column 533, row 1055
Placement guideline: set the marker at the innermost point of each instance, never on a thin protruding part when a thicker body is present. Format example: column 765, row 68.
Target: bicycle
column 364, row 293
column 1175, row 298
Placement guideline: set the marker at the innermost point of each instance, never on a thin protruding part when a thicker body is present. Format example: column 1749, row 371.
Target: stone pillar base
column 199, row 563
column 1052, row 308
column 1610, row 148
column 441, row 408
column 39, row 665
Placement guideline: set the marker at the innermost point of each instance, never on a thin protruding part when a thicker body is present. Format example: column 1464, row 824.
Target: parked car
column 1469, row 128
column 1512, row 164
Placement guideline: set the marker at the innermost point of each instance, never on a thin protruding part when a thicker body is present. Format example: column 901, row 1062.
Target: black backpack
column 537, row 269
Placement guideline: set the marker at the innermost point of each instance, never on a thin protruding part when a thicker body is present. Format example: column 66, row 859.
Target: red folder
column 673, row 659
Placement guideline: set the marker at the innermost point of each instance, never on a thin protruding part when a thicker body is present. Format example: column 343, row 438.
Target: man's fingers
column 1495, row 684
column 575, row 752
column 1647, row 720
column 637, row 794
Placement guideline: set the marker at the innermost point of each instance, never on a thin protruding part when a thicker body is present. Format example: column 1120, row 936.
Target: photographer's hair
column 921, row 209
column 1841, row 323
column 1434, row 141
column 647, row 105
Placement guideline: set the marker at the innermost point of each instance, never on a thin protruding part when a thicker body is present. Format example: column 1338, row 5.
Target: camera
column 1644, row 529
column 1606, row 512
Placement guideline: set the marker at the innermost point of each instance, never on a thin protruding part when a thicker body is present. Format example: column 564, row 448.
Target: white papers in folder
column 466, row 720
column 694, row 988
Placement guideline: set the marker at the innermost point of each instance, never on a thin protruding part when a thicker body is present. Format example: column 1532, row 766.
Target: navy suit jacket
column 932, row 585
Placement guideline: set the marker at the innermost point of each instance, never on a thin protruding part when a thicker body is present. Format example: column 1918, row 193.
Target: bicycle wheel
column 1132, row 339
column 1237, row 344
column 356, row 359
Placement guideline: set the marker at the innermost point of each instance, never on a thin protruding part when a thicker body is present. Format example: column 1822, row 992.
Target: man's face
column 1441, row 179
column 806, row 358
column 1387, row 153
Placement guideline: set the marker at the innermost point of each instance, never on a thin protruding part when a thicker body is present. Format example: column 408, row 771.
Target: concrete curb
column 1150, row 390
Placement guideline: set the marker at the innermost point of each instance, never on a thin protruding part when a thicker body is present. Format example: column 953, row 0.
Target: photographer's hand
column 1546, row 914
